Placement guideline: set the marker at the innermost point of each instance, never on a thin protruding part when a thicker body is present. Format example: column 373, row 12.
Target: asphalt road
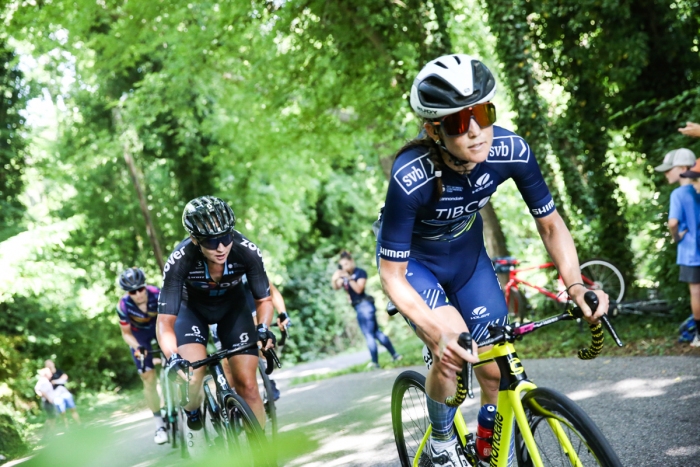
column 647, row 407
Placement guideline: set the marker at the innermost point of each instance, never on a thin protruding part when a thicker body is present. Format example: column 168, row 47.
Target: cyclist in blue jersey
column 431, row 255
column 203, row 285
column 137, row 312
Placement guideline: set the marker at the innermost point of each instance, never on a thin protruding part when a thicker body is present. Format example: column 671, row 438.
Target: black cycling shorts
column 236, row 326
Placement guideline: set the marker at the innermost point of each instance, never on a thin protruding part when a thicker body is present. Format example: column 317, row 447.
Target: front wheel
column 409, row 417
column 579, row 442
column 246, row 439
column 598, row 274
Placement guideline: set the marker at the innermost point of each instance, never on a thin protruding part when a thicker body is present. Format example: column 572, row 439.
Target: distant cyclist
column 208, row 267
column 354, row 280
column 432, row 260
column 137, row 312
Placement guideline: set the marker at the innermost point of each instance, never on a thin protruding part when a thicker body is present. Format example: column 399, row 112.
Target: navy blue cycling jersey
column 412, row 215
column 130, row 314
column 186, row 271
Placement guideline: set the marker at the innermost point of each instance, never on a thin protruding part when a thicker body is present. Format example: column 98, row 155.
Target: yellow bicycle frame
column 508, row 410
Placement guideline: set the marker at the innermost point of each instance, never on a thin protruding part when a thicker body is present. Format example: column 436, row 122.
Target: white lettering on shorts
column 480, row 311
column 244, row 338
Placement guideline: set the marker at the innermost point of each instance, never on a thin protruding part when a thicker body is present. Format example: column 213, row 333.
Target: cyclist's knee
column 247, row 388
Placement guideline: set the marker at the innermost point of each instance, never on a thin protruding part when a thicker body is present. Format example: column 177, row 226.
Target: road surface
column 648, row 407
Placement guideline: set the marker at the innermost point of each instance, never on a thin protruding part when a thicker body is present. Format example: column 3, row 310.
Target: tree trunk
column 135, row 179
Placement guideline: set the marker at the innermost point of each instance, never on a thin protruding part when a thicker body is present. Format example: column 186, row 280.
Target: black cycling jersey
column 186, row 271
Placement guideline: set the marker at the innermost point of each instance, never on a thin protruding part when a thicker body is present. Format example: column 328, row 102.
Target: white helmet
column 449, row 84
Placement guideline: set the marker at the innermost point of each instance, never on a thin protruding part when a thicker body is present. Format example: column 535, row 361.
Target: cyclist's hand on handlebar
column 453, row 356
column 174, row 365
column 266, row 338
column 577, row 294
column 140, row 351
column 283, row 321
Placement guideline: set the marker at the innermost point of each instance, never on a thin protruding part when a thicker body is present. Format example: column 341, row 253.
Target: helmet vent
column 441, row 65
column 459, row 62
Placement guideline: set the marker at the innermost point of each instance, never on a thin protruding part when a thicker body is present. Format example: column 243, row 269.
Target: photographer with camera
column 353, row 280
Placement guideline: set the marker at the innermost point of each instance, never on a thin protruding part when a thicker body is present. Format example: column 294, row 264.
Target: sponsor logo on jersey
column 393, row 253
column 415, row 174
column 251, row 246
column 452, row 189
column 509, row 149
column 482, row 183
column 171, row 260
column 459, row 211
column 480, row 312
column 452, row 198
column 547, row 208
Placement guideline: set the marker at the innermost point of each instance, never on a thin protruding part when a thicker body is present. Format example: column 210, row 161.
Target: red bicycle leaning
column 597, row 274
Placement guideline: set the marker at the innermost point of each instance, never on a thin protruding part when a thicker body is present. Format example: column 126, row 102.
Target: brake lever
column 271, row 357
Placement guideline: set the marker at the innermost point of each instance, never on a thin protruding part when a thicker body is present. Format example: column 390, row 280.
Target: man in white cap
column 688, row 218
column 683, row 218
column 675, row 163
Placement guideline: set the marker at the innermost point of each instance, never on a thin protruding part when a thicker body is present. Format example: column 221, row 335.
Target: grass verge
column 642, row 336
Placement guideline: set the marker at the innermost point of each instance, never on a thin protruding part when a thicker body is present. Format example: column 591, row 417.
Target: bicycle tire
column 605, row 276
column 410, row 387
column 543, row 405
column 268, row 397
column 245, row 436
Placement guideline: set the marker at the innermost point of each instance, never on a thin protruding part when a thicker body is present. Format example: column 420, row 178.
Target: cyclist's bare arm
column 278, row 305
column 358, row 285
column 412, row 306
column 128, row 336
column 264, row 311
column 560, row 246
column 165, row 333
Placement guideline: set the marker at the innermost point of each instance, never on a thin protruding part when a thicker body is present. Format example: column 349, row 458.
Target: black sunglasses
column 213, row 243
column 134, row 292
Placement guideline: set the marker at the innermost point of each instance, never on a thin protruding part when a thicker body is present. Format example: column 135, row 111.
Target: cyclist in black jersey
column 202, row 285
column 431, row 255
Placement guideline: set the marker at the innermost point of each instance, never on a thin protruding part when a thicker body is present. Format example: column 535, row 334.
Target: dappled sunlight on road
column 634, row 388
column 337, row 449
column 685, row 451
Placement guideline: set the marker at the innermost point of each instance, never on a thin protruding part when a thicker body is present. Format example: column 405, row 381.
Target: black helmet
column 208, row 216
column 132, row 279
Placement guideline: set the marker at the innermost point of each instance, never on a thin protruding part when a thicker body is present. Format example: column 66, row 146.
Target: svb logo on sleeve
column 509, row 149
column 415, row 174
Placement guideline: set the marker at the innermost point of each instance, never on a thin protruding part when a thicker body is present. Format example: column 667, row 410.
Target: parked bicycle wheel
column 409, row 417
column 599, row 274
column 518, row 308
column 246, row 439
column 547, row 409
column 268, row 398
